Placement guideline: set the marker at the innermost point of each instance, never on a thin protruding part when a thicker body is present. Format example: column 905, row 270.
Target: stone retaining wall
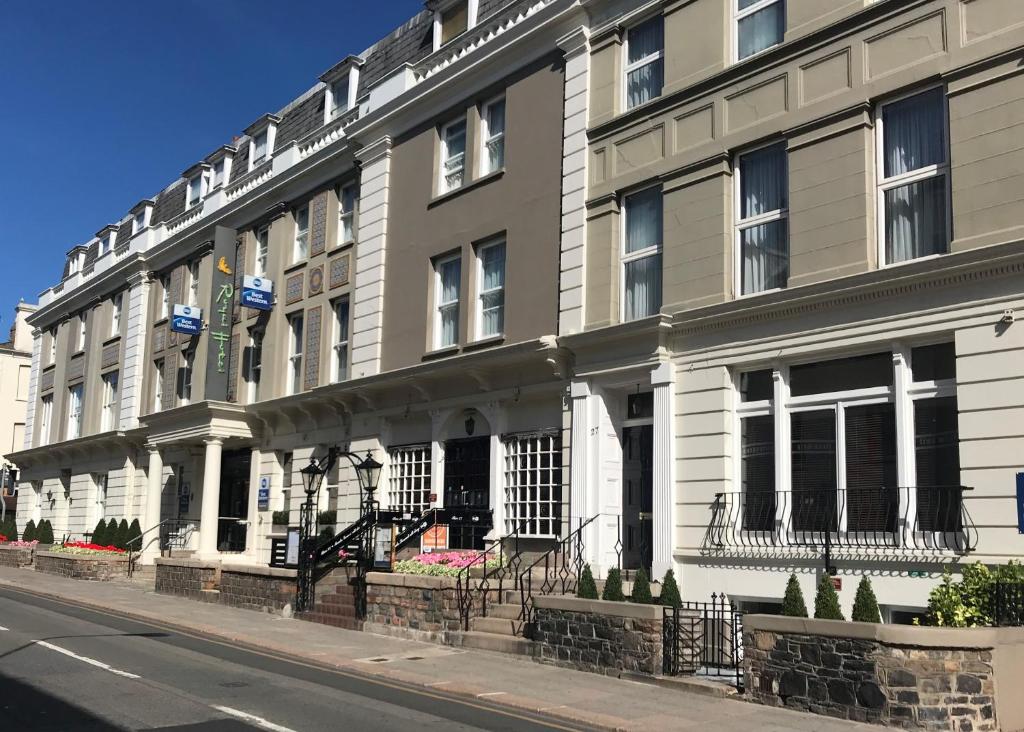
column 82, row 566
column 414, row 606
column 190, row 578
column 16, row 556
column 598, row 636
column 250, row 587
column 902, row 676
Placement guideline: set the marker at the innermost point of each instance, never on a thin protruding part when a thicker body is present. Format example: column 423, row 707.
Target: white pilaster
column 663, row 381
column 437, row 419
column 33, row 386
column 368, row 313
column 151, row 516
column 584, row 484
column 572, row 269
column 780, row 395
column 133, row 363
column 211, row 498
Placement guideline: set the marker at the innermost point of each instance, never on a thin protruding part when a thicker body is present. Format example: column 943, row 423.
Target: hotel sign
column 220, row 319
column 187, row 320
column 257, row 293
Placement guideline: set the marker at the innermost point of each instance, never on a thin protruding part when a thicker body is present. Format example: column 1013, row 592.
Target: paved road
column 65, row 668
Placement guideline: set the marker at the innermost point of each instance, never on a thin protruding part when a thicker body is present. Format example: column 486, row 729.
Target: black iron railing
column 703, row 639
column 916, row 518
column 1008, row 604
column 499, row 579
column 171, row 534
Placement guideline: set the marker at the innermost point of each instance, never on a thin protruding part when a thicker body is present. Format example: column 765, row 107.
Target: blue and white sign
column 257, row 293
column 263, row 498
column 187, row 319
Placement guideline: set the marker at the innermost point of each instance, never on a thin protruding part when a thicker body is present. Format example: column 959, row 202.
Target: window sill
column 440, row 353
column 160, row 321
column 296, row 266
column 493, row 340
column 112, row 339
column 343, row 246
column 465, row 187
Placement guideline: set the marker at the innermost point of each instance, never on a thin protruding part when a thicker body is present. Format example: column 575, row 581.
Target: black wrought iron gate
column 703, row 639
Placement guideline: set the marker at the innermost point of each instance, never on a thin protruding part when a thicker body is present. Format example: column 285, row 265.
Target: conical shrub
column 793, row 603
column 111, row 536
column 865, row 605
column 45, row 532
column 587, row 588
column 29, row 534
column 133, row 536
column 99, row 534
column 642, row 588
column 613, row 586
column 826, row 602
column 670, row 591
column 121, row 541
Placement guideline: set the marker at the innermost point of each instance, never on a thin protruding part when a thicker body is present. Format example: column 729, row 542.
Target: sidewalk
column 589, row 699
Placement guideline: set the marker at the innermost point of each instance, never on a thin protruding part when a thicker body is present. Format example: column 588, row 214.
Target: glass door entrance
column 467, row 484
column 234, row 500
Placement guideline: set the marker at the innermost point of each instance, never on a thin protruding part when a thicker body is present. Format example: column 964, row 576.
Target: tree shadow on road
column 25, row 707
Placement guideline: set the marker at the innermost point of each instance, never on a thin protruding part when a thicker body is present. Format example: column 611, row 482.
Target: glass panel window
column 341, row 320
column 80, row 343
column 339, row 97
column 454, row 21
column 195, row 191
column 870, row 460
column 841, row 374
column 259, row 149
column 262, row 250
column 933, row 363
column 74, row 430
column 409, row 478
column 813, row 455
column 448, row 282
column 937, row 461
column 491, row 316
column 116, row 306
column 53, row 347
column 760, row 24
column 109, row 411
column 761, row 221
column 105, row 245
column 757, row 471
column 301, row 248
column 642, row 254
column 45, row 420
column 193, row 283
column 102, row 482
column 453, row 155
column 493, row 136
column 914, row 185
column 254, row 366
column 218, row 173
column 185, row 378
column 533, row 485
column 158, row 385
column 295, row 325
column 645, row 63
column 139, row 222
column 348, row 202
column 165, row 294
column 756, row 386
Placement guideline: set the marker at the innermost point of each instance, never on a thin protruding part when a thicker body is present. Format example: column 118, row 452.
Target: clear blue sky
column 105, row 102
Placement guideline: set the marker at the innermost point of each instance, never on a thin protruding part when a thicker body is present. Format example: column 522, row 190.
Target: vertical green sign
column 219, row 319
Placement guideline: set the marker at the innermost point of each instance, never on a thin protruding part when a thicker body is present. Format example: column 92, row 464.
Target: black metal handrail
column 562, row 567
column 913, row 518
column 463, row 584
column 703, row 638
column 351, row 534
column 133, row 553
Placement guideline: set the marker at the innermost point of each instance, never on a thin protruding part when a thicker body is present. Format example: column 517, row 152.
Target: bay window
column 913, row 185
column 491, row 275
column 294, row 373
column 533, row 484
column 641, row 257
column 760, row 24
column 492, row 135
column 409, row 478
column 453, row 156
column 447, row 283
column 645, row 62
column 762, row 231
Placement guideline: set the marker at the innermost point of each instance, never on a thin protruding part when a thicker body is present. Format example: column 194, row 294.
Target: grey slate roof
column 169, row 203
column 300, row 120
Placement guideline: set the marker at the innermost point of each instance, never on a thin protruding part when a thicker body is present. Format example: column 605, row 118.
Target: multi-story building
column 15, row 372
column 735, row 279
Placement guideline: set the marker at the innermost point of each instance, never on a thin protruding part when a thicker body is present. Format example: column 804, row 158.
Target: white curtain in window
column 451, row 277
column 763, row 181
column 493, row 290
column 765, row 248
column 643, row 287
column 643, row 220
column 759, row 30
column 915, row 220
column 913, row 133
column 765, row 256
column 496, row 135
column 645, row 83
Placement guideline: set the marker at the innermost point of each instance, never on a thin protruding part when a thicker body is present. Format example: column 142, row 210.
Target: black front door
column 467, row 484
column 637, row 497
column 234, row 500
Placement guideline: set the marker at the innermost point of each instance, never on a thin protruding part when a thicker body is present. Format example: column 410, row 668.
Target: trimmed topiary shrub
column 826, row 602
column 134, row 536
column 111, row 535
column 327, row 518
column 587, row 588
column 670, row 591
column 279, row 518
column 29, row 534
column 99, row 534
column 613, row 586
column 121, row 540
column 45, row 532
column 865, row 605
column 793, row 603
column 642, row 588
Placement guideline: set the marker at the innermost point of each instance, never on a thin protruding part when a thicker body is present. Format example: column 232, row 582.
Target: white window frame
column 884, row 184
column 262, row 250
column 651, row 251
column 738, row 15
column 339, row 109
column 487, row 139
column 445, row 172
column 53, row 347
column 650, row 58
column 347, row 217
column 82, row 320
column 472, row 8
column 254, row 160
column 116, row 310
column 187, row 372
column 46, row 419
column 481, row 292
column 102, row 483
column 342, row 334
column 219, row 174
column 255, row 364
column 527, row 449
column 105, row 244
column 76, row 399
column 139, row 221
column 165, row 293
column 440, row 306
column 158, row 385
column 202, row 178
column 296, row 334
column 111, row 388
column 193, row 283
column 300, row 246
column 740, row 224
column 409, row 478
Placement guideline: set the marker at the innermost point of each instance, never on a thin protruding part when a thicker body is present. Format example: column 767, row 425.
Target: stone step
column 509, row 611
column 495, row 642
column 498, row 626
column 335, row 621
column 337, row 611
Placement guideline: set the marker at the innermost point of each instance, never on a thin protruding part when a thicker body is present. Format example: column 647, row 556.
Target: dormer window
column 195, row 190
column 105, row 244
column 76, row 260
column 259, row 148
column 106, row 236
column 339, row 97
column 342, row 80
column 141, row 215
column 261, row 139
column 220, row 162
column 198, row 177
column 218, row 173
column 452, row 19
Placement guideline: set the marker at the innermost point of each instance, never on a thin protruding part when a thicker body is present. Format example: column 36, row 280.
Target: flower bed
column 83, row 547
column 444, row 564
column 81, row 563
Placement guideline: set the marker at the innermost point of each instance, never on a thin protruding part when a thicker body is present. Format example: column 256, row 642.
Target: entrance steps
column 500, row 631
column 335, row 603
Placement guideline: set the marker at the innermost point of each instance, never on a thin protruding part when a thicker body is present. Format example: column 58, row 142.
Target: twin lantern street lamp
column 367, row 472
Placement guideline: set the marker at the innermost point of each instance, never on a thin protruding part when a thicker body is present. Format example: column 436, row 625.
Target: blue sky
column 105, row 102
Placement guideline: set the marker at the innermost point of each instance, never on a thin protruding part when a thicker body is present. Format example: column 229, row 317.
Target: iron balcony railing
column 910, row 518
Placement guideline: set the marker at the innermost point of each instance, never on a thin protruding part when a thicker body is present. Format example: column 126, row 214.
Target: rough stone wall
column 430, row 609
column 869, row 681
column 74, row 566
column 18, row 557
column 605, row 644
column 186, row 581
column 256, row 591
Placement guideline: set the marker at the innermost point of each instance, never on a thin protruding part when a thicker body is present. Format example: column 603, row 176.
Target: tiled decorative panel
column 318, row 224
column 159, row 340
column 233, row 374
column 311, row 354
column 46, row 380
column 339, row 271
column 316, row 280
column 111, row 352
column 76, row 368
column 176, row 284
column 169, row 391
column 293, row 289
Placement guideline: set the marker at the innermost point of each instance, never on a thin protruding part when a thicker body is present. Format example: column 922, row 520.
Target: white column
column 574, row 182
column 151, row 514
column 664, row 504
column 33, row 387
column 211, row 498
column 496, row 417
column 584, row 499
column 368, row 297
column 437, row 419
column 133, row 365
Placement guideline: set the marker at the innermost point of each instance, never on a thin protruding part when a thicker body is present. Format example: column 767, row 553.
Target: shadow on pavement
column 23, row 646
column 24, row 707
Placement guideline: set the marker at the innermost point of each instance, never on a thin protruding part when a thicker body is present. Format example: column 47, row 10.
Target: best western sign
column 257, row 293
column 187, row 320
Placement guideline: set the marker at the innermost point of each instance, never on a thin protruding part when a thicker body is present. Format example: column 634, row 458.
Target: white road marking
column 3, row 628
column 491, row 693
column 86, row 659
column 253, row 719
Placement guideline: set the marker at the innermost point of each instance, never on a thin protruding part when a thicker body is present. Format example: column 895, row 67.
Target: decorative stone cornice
column 371, row 152
column 575, row 42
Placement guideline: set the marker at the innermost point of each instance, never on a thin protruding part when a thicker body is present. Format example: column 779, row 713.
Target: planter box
column 94, row 567
column 16, row 556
